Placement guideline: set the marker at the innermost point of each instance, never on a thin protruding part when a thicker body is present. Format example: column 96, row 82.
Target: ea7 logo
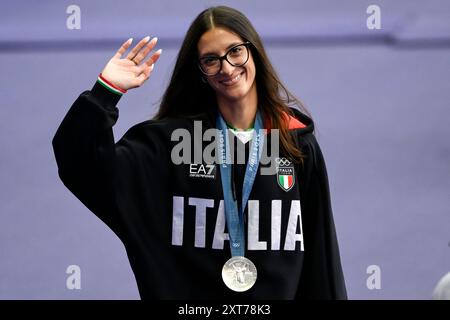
column 197, row 170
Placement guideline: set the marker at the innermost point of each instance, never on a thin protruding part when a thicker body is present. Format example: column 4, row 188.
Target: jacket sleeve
column 85, row 152
column 322, row 276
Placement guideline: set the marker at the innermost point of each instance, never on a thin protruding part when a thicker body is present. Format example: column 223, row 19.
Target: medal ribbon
column 234, row 216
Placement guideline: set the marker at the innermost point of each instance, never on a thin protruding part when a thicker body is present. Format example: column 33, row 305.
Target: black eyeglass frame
column 224, row 57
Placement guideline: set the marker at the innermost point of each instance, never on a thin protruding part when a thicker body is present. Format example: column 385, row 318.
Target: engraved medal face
column 239, row 274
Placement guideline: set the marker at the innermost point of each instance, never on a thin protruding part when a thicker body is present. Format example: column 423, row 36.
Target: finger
column 143, row 53
column 138, row 47
column 123, row 48
column 147, row 70
column 141, row 78
column 154, row 57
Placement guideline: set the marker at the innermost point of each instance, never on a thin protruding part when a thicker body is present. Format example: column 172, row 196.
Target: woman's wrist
column 108, row 85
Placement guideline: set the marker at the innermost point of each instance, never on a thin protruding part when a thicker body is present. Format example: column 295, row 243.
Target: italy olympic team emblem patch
column 285, row 173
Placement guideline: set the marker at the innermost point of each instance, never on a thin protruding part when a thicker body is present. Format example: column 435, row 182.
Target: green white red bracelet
column 108, row 85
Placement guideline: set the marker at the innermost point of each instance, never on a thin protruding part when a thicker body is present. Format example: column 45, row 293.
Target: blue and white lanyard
column 234, row 216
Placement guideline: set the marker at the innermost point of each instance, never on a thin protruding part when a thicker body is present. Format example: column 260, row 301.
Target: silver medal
column 239, row 274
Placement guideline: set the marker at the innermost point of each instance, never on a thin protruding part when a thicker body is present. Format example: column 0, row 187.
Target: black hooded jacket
column 170, row 217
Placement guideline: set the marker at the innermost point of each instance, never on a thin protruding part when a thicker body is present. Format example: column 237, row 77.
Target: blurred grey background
column 380, row 100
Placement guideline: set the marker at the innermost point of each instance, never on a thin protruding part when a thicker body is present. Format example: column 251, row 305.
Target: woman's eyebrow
column 214, row 54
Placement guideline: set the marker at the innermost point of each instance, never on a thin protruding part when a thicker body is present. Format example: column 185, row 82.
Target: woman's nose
column 227, row 68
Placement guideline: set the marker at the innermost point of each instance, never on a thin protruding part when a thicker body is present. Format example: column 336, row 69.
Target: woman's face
column 231, row 83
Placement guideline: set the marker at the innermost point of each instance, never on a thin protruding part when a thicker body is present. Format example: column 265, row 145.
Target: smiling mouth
column 232, row 81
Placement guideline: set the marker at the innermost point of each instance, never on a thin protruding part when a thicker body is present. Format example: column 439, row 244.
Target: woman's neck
column 241, row 114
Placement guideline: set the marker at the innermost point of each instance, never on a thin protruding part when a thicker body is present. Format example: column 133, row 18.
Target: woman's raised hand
column 131, row 71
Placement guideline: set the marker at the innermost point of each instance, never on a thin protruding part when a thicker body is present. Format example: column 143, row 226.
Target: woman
column 196, row 229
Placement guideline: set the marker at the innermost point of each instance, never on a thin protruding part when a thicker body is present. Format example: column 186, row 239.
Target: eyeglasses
column 237, row 56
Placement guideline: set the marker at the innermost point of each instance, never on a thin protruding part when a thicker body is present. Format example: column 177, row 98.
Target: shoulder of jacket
column 164, row 125
column 155, row 132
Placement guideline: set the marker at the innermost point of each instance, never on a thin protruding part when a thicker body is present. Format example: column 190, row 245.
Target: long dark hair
column 187, row 95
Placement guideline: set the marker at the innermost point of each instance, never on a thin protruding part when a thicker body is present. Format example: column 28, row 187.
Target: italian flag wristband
column 108, row 85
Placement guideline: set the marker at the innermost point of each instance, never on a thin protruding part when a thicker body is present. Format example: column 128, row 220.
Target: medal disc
column 239, row 274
